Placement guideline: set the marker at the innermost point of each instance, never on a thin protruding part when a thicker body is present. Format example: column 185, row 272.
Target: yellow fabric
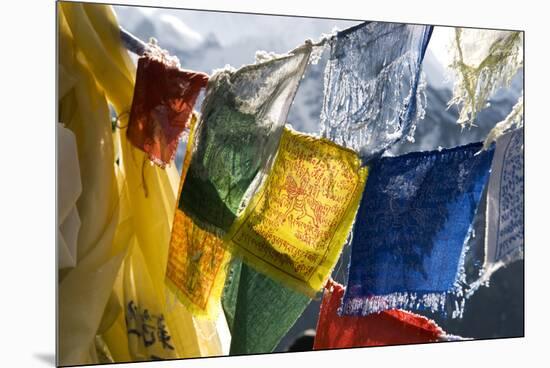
column 145, row 217
column 116, row 340
column 296, row 225
column 69, row 189
column 84, row 290
column 149, row 337
column 115, row 336
column 197, row 259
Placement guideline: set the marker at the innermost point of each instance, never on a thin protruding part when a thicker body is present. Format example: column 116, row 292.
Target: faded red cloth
column 393, row 327
column 164, row 96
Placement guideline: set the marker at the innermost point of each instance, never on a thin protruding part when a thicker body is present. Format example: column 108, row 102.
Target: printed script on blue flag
column 371, row 85
column 411, row 227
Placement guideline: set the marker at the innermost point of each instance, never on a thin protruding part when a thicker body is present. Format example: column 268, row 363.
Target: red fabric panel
column 391, row 327
column 163, row 101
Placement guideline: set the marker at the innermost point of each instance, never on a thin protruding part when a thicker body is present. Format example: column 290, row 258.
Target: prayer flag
column 413, row 221
column 259, row 310
column 504, row 240
column 243, row 115
column 483, row 61
column 197, row 260
column 371, row 85
column 164, row 97
column 295, row 226
column 391, row 327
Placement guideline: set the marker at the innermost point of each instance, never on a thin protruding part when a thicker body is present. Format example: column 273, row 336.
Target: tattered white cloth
column 483, row 61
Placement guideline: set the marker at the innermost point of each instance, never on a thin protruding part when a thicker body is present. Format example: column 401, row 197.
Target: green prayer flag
column 242, row 120
column 259, row 310
column 230, row 292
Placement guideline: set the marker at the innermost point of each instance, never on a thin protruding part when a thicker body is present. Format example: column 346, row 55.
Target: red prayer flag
column 393, row 327
column 164, row 96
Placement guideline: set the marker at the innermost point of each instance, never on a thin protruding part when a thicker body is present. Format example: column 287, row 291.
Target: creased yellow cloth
column 69, row 189
column 296, row 225
column 149, row 195
column 84, row 290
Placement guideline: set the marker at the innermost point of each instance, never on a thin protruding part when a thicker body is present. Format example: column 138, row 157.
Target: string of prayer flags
column 243, row 115
column 283, row 202
column 295, row 226
column 483, row 61
column 259, row 310
column 164, row 96
column 197, row 260
column 412, row 224
column 372, row 85
column 505, row 204
column 391, row 327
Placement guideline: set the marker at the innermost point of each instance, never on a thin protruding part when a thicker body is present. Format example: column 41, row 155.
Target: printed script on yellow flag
column 197, row 259
column 295, row 226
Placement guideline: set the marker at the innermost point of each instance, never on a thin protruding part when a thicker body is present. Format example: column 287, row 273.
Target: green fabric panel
column 230, row 292
column 223, row 166
column 261, row 313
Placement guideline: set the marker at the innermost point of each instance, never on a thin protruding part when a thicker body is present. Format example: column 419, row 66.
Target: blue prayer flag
column 411, row 227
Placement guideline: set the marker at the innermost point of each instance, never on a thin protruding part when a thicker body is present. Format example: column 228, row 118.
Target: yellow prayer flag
column 197, row 265
column 295, row 226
